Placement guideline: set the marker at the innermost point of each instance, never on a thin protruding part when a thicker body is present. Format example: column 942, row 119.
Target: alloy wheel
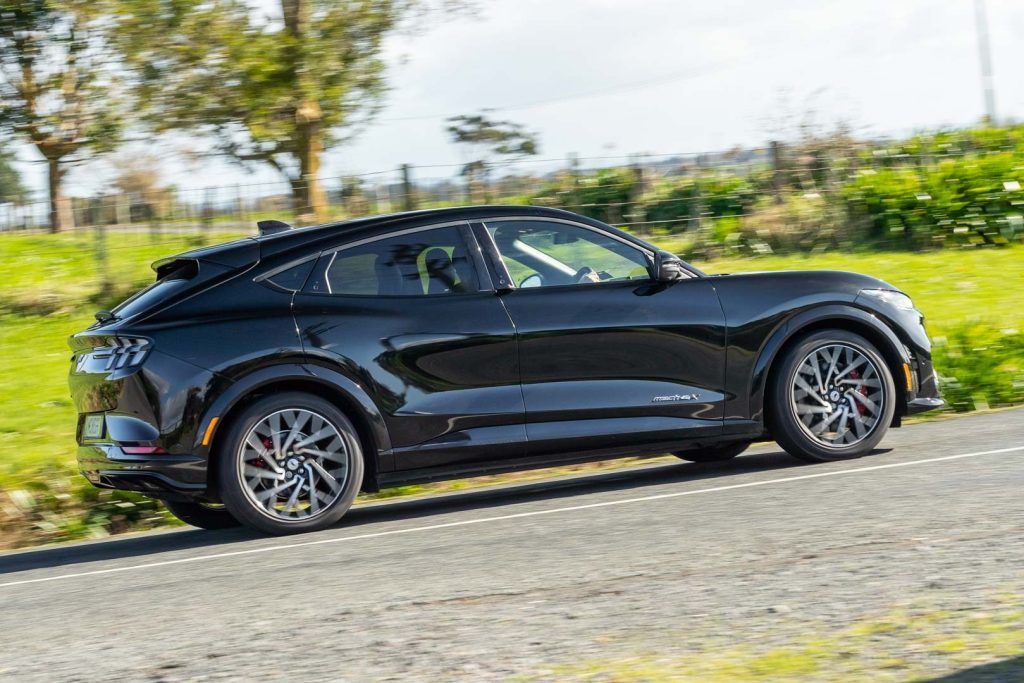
column 837, row 395
column 294, row 464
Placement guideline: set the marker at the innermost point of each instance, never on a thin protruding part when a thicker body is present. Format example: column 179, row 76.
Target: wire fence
column 796, row 195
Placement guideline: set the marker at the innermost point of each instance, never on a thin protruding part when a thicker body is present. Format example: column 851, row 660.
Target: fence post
column 697, row 207
column 239, row 205
column 122, row 209
column 408, row 196
column 207, row 215
column 485, row 176
column 574, row 174
column 776, row 154
column 636, row 211
column 102, row 264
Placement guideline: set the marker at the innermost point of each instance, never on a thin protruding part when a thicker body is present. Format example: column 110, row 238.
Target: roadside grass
column 45, row 274
column 915, row 642
column 971, row 300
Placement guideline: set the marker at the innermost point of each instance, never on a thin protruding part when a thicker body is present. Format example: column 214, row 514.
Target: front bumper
column 920, row 405
column 159, row 475
column 923, row 395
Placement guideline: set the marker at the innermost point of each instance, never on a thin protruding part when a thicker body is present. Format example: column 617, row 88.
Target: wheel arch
column 339, row 390
column 848, row 318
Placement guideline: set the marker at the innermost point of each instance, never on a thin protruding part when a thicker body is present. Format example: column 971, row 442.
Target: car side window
column 422, row 263
column 545, row 254
column 294, row 277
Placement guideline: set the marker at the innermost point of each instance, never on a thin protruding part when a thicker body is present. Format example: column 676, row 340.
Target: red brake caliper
column 862, row 390
column 267, row 443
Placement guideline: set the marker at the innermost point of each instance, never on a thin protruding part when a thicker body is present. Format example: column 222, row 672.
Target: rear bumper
column 160, row 476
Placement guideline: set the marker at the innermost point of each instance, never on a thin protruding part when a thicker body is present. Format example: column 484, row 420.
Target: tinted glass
column 428, row 262
column 539, row 254
column 175, row 280
column 293, row 278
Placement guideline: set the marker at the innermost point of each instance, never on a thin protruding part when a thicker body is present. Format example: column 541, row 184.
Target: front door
column 608, row 357
column 412, row 319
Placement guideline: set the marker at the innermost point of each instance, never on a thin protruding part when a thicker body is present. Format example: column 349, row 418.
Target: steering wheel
column 585, row 274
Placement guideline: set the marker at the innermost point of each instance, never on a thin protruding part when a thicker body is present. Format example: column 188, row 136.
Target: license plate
column 93, row 427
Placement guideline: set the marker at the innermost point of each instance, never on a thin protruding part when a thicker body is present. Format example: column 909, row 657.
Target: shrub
column 980, row 366
column 967, row 200
column 605, row 195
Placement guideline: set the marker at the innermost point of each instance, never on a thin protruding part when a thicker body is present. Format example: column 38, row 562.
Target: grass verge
column 915, row 642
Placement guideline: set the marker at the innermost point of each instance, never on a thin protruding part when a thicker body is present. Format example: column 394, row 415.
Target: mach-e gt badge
column 676, row 397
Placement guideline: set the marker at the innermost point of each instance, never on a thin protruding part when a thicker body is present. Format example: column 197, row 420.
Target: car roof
column 328, row 234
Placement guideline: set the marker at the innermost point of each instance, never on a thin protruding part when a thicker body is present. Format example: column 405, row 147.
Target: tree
column 138, row 177
column 136, row 173
column 57, row 86
column 276, row 91
column 11, row 189
column 488, row 139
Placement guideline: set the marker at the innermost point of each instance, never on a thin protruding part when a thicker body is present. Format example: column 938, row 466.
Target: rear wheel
column 290, row 463
column 203, row 515
column 714, row 453
column 832, row 397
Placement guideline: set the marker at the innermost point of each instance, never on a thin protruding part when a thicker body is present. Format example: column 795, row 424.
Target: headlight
column 897, row 299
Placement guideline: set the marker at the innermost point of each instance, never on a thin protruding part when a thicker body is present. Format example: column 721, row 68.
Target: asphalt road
column 493, row 583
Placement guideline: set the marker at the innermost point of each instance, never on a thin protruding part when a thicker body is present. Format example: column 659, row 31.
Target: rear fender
column 332, row 384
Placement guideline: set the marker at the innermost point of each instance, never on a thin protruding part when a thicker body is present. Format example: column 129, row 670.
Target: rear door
column 412, row 318
column 608, row 356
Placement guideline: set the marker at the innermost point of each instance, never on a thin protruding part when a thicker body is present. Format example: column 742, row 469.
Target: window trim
column 266, row 278
column 483, row 276
column 648, row 253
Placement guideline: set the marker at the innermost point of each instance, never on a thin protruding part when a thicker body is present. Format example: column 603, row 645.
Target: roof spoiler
column 272, row 227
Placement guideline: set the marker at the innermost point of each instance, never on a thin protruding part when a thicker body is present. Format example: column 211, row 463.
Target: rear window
column 171, row 279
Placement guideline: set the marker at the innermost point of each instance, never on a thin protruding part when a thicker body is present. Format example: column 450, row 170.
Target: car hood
column 813, row 280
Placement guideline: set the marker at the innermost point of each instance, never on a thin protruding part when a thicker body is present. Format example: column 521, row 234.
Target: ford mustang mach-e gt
column 269, row 380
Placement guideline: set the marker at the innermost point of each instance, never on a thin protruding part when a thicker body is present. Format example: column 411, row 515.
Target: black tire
column 717, row 453
column 240, row 498
column 781, row 400
column 202, row 515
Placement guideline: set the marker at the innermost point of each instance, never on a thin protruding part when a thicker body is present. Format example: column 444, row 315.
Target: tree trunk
column 59, row 217
column 307, row 192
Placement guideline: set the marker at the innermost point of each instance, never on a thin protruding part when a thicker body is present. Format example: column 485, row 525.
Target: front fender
column 848, row 317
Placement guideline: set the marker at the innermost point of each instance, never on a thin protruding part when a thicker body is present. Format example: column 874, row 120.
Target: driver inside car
column 586, row 275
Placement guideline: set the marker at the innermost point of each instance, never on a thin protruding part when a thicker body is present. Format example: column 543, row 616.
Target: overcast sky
column 615, row 77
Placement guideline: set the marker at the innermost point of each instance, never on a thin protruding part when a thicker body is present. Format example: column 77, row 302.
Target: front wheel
column 831, row 398
column 289, row 463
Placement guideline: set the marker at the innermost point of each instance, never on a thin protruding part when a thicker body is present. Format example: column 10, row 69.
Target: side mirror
column 668, row 267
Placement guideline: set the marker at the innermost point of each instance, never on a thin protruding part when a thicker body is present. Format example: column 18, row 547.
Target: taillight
column 124, row 352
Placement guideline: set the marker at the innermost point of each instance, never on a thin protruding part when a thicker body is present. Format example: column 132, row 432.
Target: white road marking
column 517, row 515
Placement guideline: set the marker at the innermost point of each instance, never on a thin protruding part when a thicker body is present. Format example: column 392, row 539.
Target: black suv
column 269, row 380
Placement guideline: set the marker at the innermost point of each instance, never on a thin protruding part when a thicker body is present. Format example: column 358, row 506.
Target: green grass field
column 51, row 290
